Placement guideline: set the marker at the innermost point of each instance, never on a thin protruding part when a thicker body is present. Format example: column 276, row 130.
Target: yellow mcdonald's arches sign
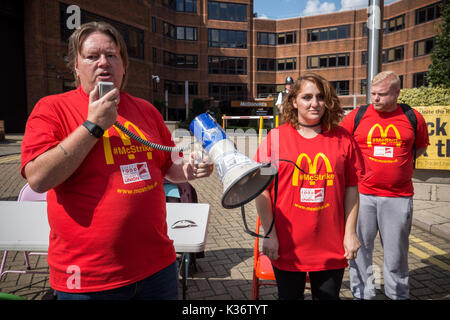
column 312, row 177
column 384, row 140
column 127, row 148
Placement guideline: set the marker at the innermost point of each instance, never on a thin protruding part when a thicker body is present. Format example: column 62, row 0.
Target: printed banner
column 438, row 124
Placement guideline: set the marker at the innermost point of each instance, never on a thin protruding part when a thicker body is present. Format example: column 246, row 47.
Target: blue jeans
column 163, row 285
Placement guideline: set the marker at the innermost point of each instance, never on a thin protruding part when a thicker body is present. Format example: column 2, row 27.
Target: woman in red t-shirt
column 317, row 206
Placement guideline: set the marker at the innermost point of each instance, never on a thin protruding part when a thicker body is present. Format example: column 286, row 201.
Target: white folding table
column 24, row 227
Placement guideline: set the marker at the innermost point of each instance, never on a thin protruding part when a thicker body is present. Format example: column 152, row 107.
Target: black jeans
column 325, row 285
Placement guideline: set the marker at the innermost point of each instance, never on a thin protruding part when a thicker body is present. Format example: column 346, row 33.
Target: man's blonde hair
column 391, row 75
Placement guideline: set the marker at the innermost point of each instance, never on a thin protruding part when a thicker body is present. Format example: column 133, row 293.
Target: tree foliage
column 439, row 70
column 425, row 96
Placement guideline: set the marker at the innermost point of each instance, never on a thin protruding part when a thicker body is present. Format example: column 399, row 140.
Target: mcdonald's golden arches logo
column 384, row 139
column 127, row 148
column 313, row 177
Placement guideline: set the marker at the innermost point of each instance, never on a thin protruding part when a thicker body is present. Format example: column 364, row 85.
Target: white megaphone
column 243, row 179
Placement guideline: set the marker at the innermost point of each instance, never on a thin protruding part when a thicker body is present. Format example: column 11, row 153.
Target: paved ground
column 226, row 270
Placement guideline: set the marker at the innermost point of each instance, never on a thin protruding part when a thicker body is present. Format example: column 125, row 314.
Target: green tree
column 439, row 70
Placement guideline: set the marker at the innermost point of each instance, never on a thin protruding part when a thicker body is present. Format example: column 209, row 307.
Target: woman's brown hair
column 333, row 113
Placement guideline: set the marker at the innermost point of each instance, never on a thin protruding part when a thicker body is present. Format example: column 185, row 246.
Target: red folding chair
column 262, row 268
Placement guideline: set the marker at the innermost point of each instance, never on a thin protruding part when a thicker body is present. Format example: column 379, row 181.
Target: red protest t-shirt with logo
column 309, row 215
column 386, row 140
column 108, row 219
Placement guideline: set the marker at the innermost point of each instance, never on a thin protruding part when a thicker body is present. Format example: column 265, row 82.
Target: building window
column 228, row 91
column 423, row 47
column 420, row 79
column 393, row 54
column 273, row 39
column 266, row 38
column 342, row 87
column 389, row 25
column 181, row 5
column 264, row 64
column 227, row 65
column 134, row 37
column 180, row 60
column 154, row 56
column 227, row 11
column 177, row 87
column 153, row 24
column 428, row 13
column 266, row 90
column 328, row 61
column 222, row 38
column 387, row 55
column 287, row 38
column 330, row 33
column 187, row 33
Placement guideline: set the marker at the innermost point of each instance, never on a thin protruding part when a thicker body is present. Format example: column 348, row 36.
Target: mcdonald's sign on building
column 438, row 124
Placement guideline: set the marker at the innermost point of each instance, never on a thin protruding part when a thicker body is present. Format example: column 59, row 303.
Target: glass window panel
column 332, row 33
column 342, row 60
column 223, row 11
column 343, row 32
column 289, row 38
column 323, row 34
column 315, row 35
column 281, row 64
column 263, row 38
column 271, row 39
column 281, row 38
column 391, row 55
column 180, row 33
column 289, row 64
column 332, row 62
column 190, row 6
column 213, row 10
column 180, row 5
column 313, row 62
column 231, row 15
column 429, row 44
column 323, row 61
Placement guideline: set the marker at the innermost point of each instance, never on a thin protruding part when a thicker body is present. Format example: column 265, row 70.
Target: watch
column 93, row 129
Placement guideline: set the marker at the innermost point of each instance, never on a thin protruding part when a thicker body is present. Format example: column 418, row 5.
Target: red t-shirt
column 386, row 140
column 309, row 216
column 107, row 220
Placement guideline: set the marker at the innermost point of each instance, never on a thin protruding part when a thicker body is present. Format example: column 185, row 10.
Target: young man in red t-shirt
column 106, row 202
column 387, row 141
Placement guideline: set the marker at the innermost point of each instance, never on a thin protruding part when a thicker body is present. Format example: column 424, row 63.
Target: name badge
column 135, row 172
column 315, row 195
column 387, row 152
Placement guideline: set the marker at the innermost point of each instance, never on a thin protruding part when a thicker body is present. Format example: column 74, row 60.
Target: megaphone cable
column 246, row 229
column 151, row 144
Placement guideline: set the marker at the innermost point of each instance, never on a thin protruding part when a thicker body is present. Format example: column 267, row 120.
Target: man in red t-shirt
column 106, row 201
column 387, row 141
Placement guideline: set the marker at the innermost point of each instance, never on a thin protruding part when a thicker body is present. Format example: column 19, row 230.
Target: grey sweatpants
column 393, row 218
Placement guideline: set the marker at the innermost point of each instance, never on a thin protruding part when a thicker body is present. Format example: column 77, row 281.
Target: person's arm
column 351, row 207
column 264, row 208
column 57, row 164
column 182, row 172
column 421, row 151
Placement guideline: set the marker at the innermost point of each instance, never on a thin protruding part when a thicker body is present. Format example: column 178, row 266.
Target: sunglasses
column 183, row 224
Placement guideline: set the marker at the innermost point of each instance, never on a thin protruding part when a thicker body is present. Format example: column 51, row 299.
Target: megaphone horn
column 242, row 178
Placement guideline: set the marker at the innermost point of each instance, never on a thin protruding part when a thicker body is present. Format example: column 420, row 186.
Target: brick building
column 221, row 48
